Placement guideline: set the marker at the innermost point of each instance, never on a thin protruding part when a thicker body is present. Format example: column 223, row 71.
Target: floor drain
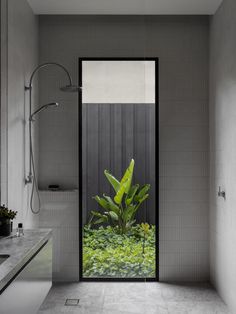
column 72, row 302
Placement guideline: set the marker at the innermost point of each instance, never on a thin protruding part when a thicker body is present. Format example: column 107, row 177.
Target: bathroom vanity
column 25, row 271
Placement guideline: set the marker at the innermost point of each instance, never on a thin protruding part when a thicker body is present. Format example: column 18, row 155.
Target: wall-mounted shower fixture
column 31, row 178
column 53, row 104
column 221, row 193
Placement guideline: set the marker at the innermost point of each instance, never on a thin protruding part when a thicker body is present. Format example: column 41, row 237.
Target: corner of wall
column 19, row 55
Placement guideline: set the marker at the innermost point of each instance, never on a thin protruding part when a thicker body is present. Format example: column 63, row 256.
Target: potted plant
column 6, row 215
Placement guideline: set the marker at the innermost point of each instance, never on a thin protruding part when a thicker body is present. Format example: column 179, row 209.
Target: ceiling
column 125, row 6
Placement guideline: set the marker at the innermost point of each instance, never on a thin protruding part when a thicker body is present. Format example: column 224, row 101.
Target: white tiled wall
column 181, row 43
column 223, row 151
column 20, row 56
column 60, row 213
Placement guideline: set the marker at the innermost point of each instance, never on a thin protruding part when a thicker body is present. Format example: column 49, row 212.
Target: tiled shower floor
column 136, row 298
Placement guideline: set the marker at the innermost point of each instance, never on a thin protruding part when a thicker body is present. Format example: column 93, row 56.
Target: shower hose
column 34, row 180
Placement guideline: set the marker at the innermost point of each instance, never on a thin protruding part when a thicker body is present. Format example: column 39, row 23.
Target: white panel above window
column 118, row 81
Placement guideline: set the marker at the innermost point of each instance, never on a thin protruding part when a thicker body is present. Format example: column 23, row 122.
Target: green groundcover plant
column 120, row 211
column 106, row 253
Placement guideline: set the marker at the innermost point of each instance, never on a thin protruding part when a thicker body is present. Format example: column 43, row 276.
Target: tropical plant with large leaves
column 120, row 211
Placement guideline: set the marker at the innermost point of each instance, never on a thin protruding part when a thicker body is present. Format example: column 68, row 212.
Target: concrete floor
column 138, row 298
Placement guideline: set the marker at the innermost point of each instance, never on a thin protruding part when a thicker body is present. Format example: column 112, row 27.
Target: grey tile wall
column 181, row 43
column 22, row 56
column 60, row 213
column 223, row 152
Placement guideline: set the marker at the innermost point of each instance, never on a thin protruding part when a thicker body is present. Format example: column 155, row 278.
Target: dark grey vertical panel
column 140, row 162
column 151, row 171
column 84, row 161
column 117, row 141
column 92, row 156
column 147, row 159
column 104, row 147
column 128, row 134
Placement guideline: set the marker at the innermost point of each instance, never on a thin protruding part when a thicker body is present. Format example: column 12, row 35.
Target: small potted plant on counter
column 6, row 216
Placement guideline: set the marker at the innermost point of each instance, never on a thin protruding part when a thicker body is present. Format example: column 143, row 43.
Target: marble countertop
column 20, row 249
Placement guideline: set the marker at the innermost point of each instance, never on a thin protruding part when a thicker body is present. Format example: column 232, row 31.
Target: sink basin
column 3, row 257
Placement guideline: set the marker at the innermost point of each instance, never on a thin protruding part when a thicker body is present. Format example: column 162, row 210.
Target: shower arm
column 29, row 178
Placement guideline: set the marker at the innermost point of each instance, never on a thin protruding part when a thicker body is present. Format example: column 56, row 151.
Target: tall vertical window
column 118, row 169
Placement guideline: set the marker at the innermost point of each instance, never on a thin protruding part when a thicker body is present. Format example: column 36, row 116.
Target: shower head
column 44, row 107
column 70, row 88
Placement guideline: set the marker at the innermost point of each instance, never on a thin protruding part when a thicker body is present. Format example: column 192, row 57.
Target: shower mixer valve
column 29, row 179
column 221, row 193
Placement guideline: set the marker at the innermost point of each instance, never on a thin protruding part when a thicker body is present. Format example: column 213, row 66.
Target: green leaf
column 113, row 215
column 114, row 182
column 97, row 214
column 119, row 195
column 112, row 205
column 130, row 195
column 100, row 220
column 143, row 198
column 128, row 212
column 130, row 223
column 143, row 190
column 102, row 202
column 145, row 227
column 140, row 202
column 127, row 177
